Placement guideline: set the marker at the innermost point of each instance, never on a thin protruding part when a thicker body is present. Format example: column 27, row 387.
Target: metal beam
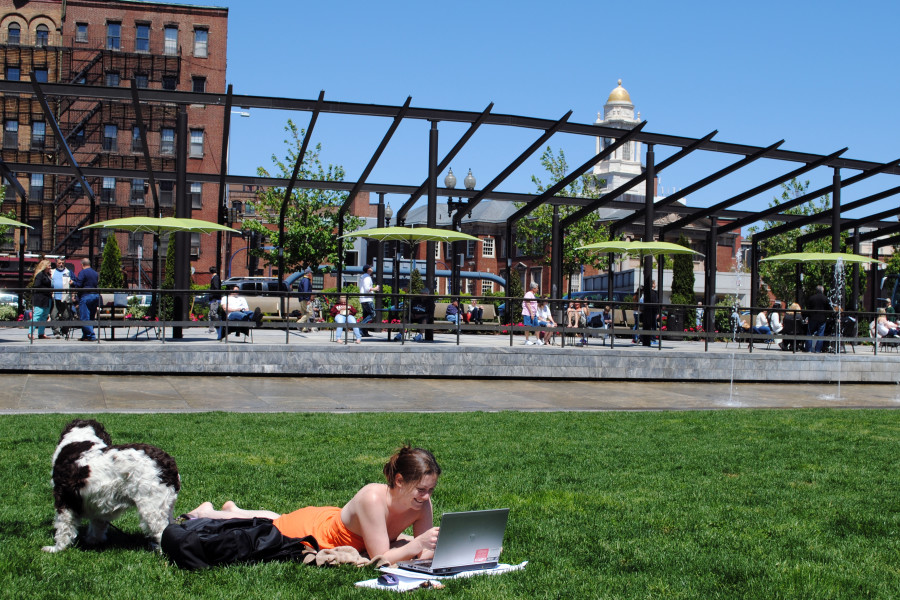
column 223, row 173
column 809, row 219
column 699, row 184
column 515, row 164
column 622, row 189
column 573, row 175
column 73, row 164
column 717, row 208
column 401, row 212
column 145, row 148
column 290, row 190
column 375, row 110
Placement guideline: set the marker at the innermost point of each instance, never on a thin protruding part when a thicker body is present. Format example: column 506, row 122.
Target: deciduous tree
column 311, row 218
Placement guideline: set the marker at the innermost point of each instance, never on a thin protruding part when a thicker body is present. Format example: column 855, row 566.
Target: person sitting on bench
column 237, row 309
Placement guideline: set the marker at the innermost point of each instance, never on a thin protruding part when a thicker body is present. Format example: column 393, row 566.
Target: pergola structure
column 798, row 163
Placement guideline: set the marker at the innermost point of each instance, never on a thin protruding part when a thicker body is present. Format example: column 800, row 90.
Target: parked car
column 262, row 285
column 9, row 299
column 142, row 299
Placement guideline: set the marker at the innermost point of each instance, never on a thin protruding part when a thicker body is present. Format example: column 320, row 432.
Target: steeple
column 624, row 163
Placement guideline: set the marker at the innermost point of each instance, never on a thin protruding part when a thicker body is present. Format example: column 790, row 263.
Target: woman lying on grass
column 373, row 520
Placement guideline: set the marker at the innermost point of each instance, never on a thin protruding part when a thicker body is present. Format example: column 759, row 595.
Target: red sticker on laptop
column 481, row 555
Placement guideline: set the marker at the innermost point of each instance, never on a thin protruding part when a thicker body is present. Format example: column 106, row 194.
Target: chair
column 114, row 312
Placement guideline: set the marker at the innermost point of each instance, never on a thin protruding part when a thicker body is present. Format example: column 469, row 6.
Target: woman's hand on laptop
column 427, row 541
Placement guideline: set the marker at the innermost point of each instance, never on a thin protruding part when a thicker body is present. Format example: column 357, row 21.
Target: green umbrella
column 13, row 222
column 160, row 225
column 826, row 257
column 412, row 235
column 648, row 248
column 615, row 247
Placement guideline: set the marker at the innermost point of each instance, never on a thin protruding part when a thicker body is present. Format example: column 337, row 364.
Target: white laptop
column 467, row 541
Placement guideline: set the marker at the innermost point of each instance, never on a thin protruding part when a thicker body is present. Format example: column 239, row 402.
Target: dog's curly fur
column 94, row 480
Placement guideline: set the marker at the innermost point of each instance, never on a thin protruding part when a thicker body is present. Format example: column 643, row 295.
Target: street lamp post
column 461, row 205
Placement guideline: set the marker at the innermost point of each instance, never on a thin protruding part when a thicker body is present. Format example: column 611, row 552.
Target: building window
column 167, row 141
column 137, row 192
column 201, row 43
column 81, row 32
column 198, row 84
column 13, row 34
column 10, row 194
column 487, row 247
column 135, row 241
column 141, row 81
column 110, row 135
column 38, row 135
column 437, row 251
column 113, row 36
column 470, row 248
column 502, row 247
column 170, row 41
column 35, row 234
column 36, row 191
column 40, row 75
column 112, row 79
column 195, row 195
column 136, row 140
column 169, row 82
column 487, row 287
column 108, row 191
column 42, row 36
column 11, row 135
column 142, row 38
column 166, row 193
column 78, row 138
column 13, row 73
column 195, row 246
column 196, row 150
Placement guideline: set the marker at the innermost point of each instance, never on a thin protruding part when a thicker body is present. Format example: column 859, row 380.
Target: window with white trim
column 195, row 246
column 113, row 36
column 38, row 135
column 137, row 192
column 201, row 43
column 36, row 191
column 167, row 140
column 196, row 150
column 108, row 191
column 110, row 137
column 487, row 287
column 142, row 37
column 195, row 193
column 170, row 40
column 487, row 247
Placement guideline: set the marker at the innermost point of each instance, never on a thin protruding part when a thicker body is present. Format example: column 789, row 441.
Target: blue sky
column 821, row 75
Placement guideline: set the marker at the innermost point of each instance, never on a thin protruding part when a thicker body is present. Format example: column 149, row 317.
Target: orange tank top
column 323, row 523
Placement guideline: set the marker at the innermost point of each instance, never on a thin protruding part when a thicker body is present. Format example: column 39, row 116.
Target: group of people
column 814, row 320
column 48, row 304
column 537, row 318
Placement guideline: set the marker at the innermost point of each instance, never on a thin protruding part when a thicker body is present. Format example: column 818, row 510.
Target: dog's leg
column 66, row 524
column 96, row 533
column 156, row 514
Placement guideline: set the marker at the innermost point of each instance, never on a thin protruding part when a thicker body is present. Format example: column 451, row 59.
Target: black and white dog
column 95, row 480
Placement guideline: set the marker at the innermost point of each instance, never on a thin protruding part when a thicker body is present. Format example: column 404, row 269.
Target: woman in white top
column 775, row 319
column 762, row 324
column 545, row 319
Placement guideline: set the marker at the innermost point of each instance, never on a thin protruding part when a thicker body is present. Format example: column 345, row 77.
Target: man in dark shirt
column 87, row 301
column 818, row 311
column 304, row 288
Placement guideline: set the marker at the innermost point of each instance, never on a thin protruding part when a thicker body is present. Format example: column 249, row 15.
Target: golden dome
column 619, row 94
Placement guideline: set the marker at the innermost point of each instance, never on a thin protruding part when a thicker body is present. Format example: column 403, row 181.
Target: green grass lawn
column 726, row 504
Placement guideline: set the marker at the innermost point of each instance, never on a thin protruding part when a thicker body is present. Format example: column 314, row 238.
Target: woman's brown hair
column 412, row 464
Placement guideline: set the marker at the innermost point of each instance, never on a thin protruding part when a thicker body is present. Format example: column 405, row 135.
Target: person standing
column 816, row 313
column 699, row 322
column 529, row 315
column 215, row 297
column 366, row 300
column 41, row 299
column 61, row 309
column 88, row 301
column 304, row 287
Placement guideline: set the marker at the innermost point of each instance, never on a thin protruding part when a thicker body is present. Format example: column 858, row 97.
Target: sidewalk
column 87, row 394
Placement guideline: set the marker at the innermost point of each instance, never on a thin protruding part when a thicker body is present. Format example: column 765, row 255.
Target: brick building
column 111, row 43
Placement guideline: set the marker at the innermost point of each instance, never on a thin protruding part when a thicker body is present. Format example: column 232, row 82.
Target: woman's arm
column 372, row 518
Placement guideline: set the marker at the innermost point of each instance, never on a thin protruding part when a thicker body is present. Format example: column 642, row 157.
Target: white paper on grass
column 410, row 580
